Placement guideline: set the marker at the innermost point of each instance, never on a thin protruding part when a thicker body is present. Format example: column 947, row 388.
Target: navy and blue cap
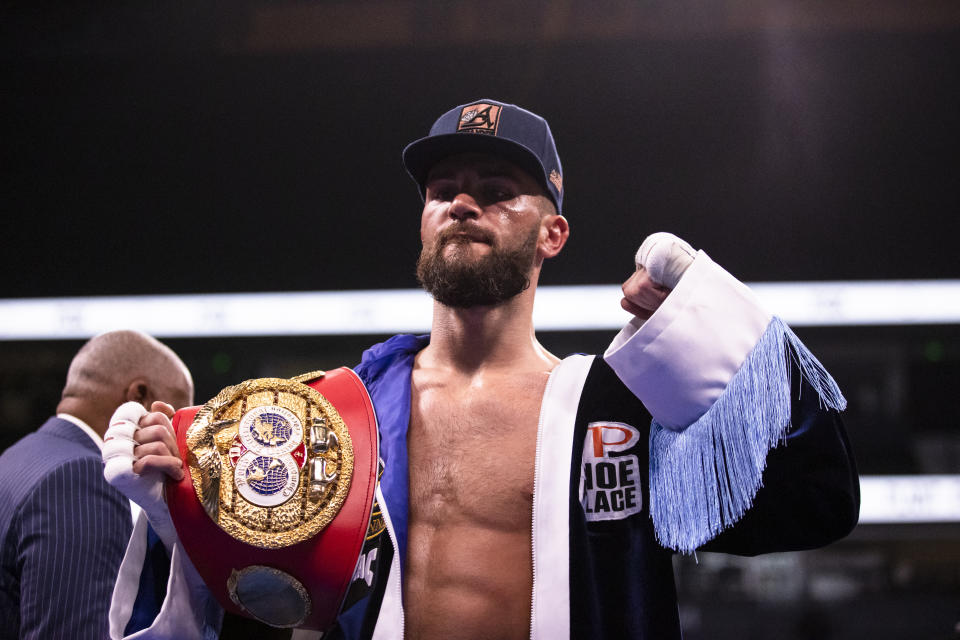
column 488, row 126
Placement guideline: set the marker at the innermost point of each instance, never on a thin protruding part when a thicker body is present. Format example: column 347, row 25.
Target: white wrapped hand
column 661, row 261
column 665, row 258
column 145, row 489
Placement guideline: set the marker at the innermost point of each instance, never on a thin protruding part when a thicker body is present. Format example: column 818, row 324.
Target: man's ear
column 554, row 231
column 139, row 391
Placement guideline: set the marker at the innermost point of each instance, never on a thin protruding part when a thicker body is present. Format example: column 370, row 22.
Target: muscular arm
column 72, row 533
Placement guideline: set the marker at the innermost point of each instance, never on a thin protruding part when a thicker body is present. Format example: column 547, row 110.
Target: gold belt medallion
column 271, row 461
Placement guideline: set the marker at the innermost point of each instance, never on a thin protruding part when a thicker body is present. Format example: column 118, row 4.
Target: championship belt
column 277, row 494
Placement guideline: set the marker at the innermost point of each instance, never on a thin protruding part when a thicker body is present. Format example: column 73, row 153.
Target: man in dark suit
column 63, row 529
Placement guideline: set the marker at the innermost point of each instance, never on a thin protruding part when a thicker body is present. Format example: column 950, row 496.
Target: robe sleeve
column 716, row 372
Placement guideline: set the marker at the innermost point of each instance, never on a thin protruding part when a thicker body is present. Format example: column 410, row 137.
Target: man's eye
column 442, row 193
column 495, row 193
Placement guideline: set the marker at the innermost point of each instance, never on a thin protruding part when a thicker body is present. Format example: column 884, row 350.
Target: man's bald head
column 118, row 366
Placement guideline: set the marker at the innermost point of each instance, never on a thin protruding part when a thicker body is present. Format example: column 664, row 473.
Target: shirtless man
column 476, row 394
column 487, row 227
column 480, row 410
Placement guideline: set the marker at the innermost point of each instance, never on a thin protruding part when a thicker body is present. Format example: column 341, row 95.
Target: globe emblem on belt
column 266, row 481
column 267, row 476
column 270, row 429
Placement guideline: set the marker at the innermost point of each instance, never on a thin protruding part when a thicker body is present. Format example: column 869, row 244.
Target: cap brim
column 421, row 155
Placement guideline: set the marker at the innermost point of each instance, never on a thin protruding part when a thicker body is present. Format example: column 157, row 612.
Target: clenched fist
column 661, row 261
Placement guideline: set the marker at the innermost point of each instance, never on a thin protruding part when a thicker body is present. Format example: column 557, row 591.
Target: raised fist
column 661, row 261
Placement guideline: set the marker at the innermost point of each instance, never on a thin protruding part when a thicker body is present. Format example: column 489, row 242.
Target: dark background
column 255, row 146
column 144, row 155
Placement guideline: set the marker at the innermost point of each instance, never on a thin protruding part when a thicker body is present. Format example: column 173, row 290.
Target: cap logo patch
column 479, row 118
column 557, row 180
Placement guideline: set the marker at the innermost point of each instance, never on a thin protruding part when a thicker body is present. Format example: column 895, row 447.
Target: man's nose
column 463, row 207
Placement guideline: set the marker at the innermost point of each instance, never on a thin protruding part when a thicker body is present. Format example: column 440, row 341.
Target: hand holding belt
column 278, row 493
column 147, row 489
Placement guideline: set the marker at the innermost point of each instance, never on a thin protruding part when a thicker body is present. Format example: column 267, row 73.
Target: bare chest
column 472, row 452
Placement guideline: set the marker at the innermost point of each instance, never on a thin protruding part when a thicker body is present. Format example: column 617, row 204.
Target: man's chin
column 466, row 273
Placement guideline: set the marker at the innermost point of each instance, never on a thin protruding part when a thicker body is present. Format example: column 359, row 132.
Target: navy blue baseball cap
column 489, row 126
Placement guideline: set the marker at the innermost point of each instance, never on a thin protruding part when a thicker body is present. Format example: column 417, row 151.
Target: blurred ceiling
column 251, row 146
column 247, row 26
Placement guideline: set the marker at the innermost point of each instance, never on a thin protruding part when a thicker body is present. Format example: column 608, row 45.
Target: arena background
column 254, row 146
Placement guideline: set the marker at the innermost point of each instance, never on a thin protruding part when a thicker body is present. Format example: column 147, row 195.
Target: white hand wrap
column 665, row 257
column 145, row 490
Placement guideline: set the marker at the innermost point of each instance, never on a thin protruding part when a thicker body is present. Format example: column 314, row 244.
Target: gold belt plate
column 271, row 461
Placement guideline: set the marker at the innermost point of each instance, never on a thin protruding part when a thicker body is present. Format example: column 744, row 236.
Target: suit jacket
column 63, row 531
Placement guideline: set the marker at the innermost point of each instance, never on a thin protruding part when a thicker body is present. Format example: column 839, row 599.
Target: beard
column 489, row 280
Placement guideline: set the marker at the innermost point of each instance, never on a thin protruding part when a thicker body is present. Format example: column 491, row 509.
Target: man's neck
column 76, row 407
column 467, row 340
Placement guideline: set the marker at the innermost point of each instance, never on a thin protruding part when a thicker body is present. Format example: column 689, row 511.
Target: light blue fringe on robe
column 704, row 477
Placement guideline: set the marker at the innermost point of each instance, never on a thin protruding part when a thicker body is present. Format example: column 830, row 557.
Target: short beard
column 490, row 280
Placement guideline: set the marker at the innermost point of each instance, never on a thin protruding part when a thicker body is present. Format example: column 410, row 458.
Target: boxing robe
column 707, row 426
